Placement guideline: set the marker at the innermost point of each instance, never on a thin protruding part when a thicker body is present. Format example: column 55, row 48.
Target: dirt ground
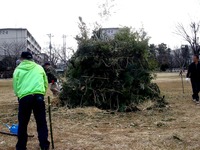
column 173, row 128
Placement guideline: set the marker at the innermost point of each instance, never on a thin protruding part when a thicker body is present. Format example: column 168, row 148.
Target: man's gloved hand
column 52, row 81
column 187, row 79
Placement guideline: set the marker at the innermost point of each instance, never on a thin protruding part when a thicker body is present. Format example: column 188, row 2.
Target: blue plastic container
column 13, row 129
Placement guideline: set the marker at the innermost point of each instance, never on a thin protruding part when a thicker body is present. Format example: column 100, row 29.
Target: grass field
column 173, row 128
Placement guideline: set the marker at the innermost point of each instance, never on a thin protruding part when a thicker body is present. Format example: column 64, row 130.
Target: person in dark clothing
column 194, row 75
column 50, row 72
column 52, row 80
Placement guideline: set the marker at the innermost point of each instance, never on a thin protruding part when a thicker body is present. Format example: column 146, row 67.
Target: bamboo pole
column 50, row 122
column 182, row 81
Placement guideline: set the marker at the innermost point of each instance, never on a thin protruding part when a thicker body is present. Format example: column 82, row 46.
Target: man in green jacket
column 30, row 84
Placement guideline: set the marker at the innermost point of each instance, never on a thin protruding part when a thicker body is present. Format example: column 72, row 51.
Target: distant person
column 30, row 85
column 18, row 62
column 194, row 75
column 181, row 73
column 52, row 80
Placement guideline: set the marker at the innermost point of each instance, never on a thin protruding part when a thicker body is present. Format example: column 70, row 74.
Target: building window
column 3, row 32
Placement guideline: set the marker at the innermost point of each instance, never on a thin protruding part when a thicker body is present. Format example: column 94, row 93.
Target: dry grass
column 173, row 128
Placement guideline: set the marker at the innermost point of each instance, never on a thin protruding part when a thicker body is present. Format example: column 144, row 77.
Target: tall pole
column 181, row 73
column 50, row 122
column 64, row 48
column 50, row 46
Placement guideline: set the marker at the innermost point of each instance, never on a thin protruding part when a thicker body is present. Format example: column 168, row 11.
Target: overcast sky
column 41, row 17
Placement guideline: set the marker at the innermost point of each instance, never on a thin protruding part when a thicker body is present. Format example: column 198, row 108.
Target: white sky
column 41, row 17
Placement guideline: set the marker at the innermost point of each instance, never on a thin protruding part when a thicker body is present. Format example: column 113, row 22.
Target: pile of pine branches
column 114, row 74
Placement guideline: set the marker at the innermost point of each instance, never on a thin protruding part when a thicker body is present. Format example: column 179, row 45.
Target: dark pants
column 195, row 89
column 28, row 104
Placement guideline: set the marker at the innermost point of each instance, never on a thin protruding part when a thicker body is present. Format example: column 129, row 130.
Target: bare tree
column 13, row 49
column 54, row 55
column 181, row 57
column 65, row 54
column 11, row 52
column 192, row 36
column 59, row 54
column 106, row 9
column 178, row 58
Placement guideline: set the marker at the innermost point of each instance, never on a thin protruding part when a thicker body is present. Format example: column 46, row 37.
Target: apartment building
column 108, row 33
column 15, row 40
column 44, row 58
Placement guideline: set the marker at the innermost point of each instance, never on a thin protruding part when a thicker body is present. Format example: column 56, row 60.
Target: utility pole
column 50, row 45
column 64, row 48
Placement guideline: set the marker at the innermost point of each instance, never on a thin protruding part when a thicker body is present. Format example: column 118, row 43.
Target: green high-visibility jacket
column 29, row 78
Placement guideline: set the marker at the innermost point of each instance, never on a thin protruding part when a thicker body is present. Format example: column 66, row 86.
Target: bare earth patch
column 173, row 128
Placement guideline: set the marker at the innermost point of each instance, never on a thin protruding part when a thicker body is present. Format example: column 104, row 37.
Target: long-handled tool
column 181, row 73
column 13, row 130
column 11, row 134
column 50, row 122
